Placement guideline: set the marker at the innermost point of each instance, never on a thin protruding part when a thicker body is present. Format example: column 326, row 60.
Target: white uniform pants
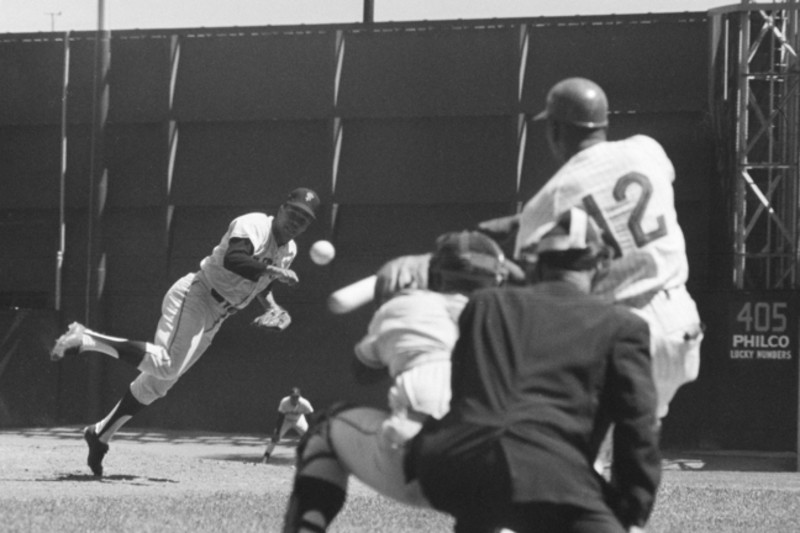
column 190, row 317
column 371, row 443
column 424, row 388
column 675, row 337
column 358, row 438
column 300, row 425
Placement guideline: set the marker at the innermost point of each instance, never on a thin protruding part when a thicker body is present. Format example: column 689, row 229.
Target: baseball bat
column 351, row 297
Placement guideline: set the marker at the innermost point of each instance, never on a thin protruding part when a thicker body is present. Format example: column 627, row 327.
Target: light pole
column 53, row 15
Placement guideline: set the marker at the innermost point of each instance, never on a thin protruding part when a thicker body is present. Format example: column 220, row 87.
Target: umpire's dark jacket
column 542, row 370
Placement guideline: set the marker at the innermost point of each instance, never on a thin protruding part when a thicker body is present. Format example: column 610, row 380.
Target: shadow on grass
column 124, row 478
column 730, row 461
column 70, row 433
column 246, row 459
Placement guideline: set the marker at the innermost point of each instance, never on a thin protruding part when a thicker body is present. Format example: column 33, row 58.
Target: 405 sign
column 763, row 328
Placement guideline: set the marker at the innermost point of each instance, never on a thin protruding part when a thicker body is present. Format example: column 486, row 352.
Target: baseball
column 322, row 252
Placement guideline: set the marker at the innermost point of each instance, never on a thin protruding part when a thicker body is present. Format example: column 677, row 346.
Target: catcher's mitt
column 276, row 318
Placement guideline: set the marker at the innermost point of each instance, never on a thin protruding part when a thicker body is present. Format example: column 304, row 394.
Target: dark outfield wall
column 406, row 130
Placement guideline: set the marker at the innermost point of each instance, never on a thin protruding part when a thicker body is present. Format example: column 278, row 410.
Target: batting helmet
column 576, row 101
column 464, row 261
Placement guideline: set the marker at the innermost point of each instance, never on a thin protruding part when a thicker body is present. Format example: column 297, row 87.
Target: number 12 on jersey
column 638, row 235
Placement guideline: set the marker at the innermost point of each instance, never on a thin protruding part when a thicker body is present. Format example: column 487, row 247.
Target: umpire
column 538, row 373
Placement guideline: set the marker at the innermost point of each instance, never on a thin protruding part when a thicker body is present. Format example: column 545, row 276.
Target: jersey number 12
column 640, row 237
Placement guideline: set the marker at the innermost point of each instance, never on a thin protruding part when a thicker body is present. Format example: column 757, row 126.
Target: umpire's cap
column 576, row 101
column 573, row 242
column 305, row 200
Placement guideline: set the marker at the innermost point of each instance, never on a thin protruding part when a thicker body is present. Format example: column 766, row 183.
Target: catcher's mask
column 465, row 261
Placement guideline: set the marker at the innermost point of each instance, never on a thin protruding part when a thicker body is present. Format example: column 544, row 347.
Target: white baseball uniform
column 626, row 187
column 411, row 335
column 196, row 305
column 294, row 415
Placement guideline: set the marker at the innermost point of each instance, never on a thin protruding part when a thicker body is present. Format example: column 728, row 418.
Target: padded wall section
column 253, row 75
column 421, row 71
column 538, row 163
column 30, row 163
column 79, row 165
column 74, row 267
column 135, row 156
column 645, row 63
column 80, row 102
column 137, row 160
column 32, row 72
column 241, row 163
column 28, row 380
column 135, row 244
column 139, row 78
column 366, row 236
column 30, row 240
column 428, row 160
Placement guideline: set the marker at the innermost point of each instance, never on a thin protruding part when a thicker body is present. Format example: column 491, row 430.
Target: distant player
column 626, row 187
column 255, row 251
column 411, row 335
column 292, row 411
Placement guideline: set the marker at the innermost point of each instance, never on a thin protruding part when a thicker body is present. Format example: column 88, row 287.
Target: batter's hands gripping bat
column 404, row 272
column 275, row 318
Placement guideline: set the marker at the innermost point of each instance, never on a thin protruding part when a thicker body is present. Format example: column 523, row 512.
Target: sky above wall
column 22, row 16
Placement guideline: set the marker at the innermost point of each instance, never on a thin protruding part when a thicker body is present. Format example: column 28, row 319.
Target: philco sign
column 763, row 330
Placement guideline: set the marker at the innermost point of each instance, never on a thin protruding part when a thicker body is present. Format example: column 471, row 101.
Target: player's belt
column 417, row 416
column 225, row 303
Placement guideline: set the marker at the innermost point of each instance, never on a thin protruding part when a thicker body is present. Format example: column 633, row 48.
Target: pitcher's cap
column 304, row 199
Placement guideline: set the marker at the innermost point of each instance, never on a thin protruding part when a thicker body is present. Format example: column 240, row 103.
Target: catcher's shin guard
column 315, row 501
column 319, row 426
column 313, row 505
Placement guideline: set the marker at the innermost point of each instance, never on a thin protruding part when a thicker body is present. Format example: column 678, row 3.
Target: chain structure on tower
column 755, row 105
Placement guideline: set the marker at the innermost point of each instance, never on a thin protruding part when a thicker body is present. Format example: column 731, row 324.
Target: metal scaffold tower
column 755, row 103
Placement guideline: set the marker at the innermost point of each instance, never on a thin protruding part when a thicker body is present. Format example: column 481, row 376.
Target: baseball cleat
column 97, row 450
column 71, row 340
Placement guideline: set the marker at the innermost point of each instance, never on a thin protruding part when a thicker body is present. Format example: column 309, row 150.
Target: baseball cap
column 304, row 199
